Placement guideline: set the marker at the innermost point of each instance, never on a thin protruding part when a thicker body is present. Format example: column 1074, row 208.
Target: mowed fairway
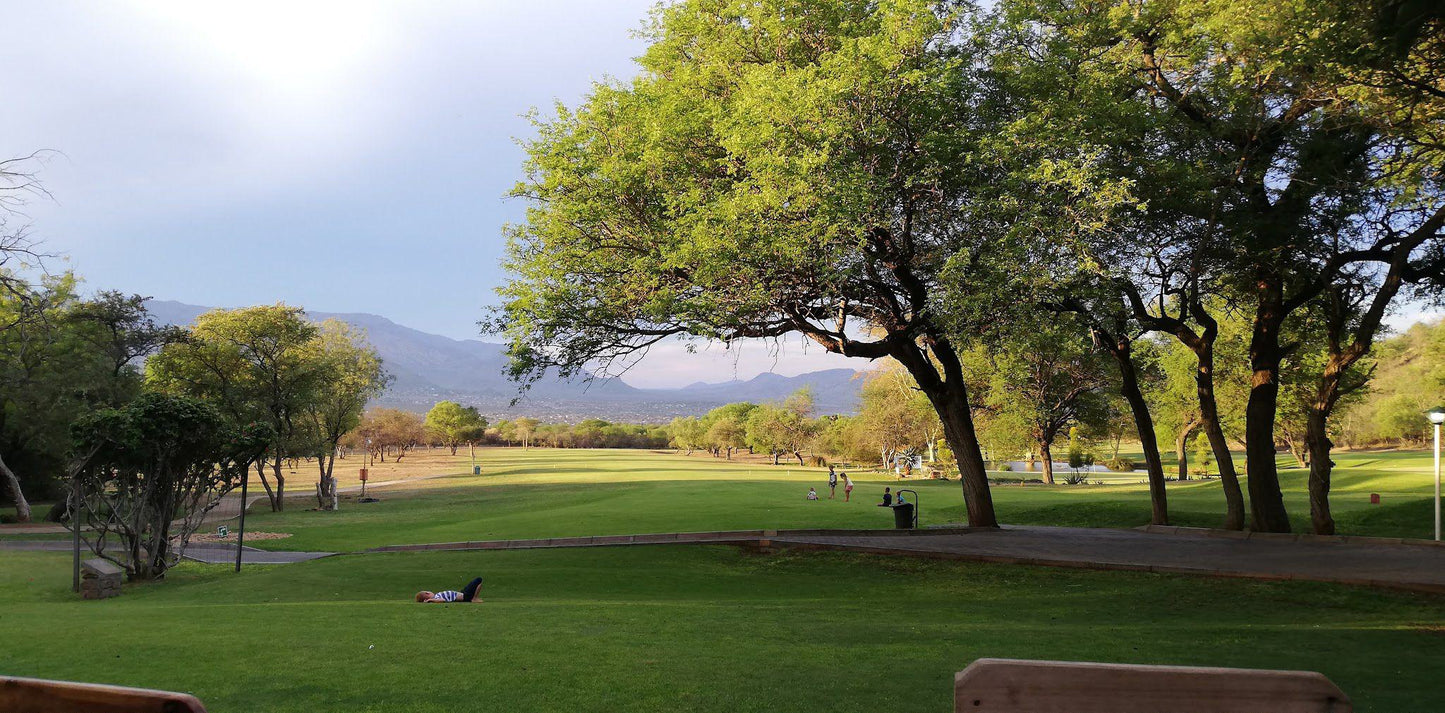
column 555, row 493
column 677, row 628
column 698, row 628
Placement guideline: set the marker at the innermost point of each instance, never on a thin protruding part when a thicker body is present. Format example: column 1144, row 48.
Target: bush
column 1005, row 467
column 1015, row 480
column 1075, row 478
column 1119, row 465
column 817, row 462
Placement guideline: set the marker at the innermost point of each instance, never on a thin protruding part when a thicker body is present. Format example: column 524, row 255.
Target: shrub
column 1075, row 478
column 1076, row 455
column 1005, row 467
column 817, row 462
column 1119, row 465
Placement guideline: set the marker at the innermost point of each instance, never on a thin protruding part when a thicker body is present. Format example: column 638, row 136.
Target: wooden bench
column 100, row 579
column 34, row 695
column 1014, row 686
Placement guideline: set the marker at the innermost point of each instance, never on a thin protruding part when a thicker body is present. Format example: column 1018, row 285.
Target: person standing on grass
column 832, row 482
column 847, row 488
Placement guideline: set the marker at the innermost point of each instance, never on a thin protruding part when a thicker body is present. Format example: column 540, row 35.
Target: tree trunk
column 1317, row 440
column 280, row 486
column 12, row 482
column 1218, row 444
column 1181, row 448
column 799, row 455
column 326, row 486
column 454, row 449
column 949, row 398
column 261, row 471
column 1266, row 502
column 1298, row 449
column 1144, row 422
column 958, row 432
column 1046, row 450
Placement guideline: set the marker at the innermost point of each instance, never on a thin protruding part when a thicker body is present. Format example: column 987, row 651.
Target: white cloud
column 677, row 363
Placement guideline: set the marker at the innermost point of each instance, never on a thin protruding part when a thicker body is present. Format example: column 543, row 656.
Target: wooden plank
column 1015, row 686
column 33, row 695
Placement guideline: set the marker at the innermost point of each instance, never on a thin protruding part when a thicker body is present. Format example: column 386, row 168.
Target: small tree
column 157, row 463
column 352, row 375
column 454, row 424
column 257, row 364
column 688, row 434
column 524, row 428
column 727, row 434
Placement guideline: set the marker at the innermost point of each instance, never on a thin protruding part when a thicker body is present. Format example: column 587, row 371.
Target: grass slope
column 555, row 493
column 685, row 629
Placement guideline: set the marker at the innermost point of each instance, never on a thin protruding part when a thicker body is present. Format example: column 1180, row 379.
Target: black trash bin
column 903, row 516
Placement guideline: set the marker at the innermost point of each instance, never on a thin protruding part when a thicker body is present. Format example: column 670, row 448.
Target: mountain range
column 428, row 368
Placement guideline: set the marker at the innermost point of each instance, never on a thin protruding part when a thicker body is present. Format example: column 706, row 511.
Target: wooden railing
column 1014, row 686
column 986, row 686
column 33, row 695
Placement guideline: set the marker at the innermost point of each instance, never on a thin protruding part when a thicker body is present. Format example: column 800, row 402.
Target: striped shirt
column 448, row 596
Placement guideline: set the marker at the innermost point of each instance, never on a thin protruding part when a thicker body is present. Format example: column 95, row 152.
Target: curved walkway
column 207, row 553
column 1412, row 565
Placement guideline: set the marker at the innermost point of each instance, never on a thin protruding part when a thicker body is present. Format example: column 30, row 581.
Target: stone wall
column 99, row 579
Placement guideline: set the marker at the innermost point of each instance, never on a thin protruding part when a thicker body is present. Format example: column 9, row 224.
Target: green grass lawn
column 554, row 493
column 681, row 628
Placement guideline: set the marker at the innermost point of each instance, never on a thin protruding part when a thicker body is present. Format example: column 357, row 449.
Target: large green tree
column 1046, row 377
column 350, row 375
column 62, row 356
column 150, row 471
column 257, row 364
column 777, row 167
column 1292, row 145
column 454, row 424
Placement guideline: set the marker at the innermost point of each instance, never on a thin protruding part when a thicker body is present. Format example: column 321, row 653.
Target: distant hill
column 429, row 368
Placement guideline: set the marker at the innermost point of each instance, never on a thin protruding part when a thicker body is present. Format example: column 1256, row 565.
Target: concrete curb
column 1284, row 536
column 716, row 536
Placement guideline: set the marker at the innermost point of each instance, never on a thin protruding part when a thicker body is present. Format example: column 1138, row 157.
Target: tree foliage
column 154, row 465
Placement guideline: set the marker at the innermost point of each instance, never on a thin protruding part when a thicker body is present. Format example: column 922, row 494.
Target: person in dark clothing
column 887, row 498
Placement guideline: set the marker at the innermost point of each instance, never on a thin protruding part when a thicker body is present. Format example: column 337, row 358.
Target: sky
column 341, row 156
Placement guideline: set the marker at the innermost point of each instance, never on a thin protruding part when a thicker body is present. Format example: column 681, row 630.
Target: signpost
column 363, row 482
column 241, row 529
column 75, row 524
column 1437, row 417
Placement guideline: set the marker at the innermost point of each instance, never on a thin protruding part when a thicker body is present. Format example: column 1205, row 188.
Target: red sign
column 363, row 475
column 1374, row 498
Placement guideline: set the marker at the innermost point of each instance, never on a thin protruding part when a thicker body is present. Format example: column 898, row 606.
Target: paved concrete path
column 1406, row 566
column 208, row 553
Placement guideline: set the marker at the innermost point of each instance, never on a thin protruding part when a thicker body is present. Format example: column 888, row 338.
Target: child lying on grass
column 468, row 594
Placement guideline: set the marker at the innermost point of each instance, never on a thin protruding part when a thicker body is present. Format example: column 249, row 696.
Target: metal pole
column 1437, row 482
column 75, row 524
column 241, row 530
